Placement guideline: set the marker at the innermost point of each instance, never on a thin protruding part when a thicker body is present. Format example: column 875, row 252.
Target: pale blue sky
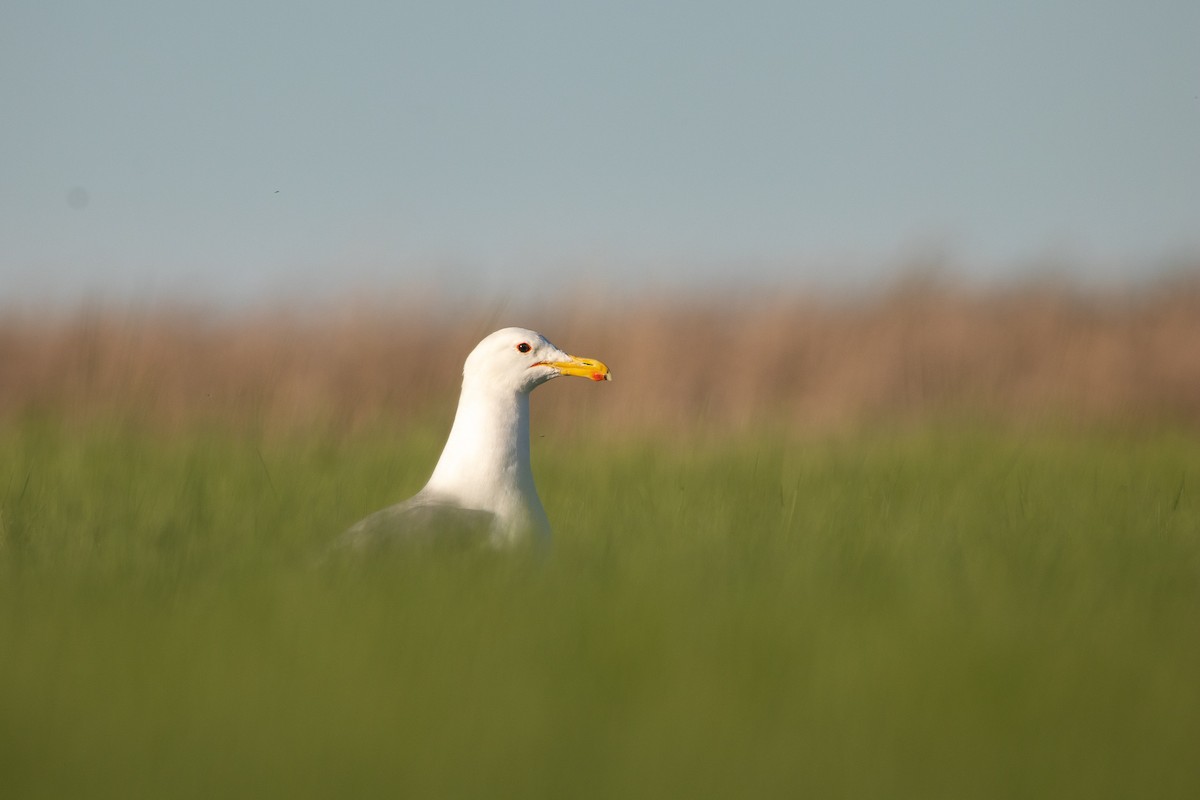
column 240, row 149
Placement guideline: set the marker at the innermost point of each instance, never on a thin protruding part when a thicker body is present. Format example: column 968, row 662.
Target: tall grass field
column 940, row 610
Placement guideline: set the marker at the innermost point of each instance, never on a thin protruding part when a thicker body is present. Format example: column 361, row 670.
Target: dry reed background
column 804, row 362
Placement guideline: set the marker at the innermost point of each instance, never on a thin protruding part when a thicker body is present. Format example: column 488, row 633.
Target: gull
column 482, row 487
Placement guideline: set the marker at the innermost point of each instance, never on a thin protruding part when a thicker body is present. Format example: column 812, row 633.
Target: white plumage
column 482, row 487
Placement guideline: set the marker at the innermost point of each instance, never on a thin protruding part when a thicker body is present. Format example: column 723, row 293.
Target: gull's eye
column 523, row 347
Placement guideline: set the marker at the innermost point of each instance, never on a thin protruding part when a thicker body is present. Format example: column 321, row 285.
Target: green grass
column 940, row 614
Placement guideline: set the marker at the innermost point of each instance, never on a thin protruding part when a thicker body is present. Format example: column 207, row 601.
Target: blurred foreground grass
column 940, row 614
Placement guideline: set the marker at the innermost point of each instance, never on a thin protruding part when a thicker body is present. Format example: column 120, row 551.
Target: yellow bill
column 582, row 368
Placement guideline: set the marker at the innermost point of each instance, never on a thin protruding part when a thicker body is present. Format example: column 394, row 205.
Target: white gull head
column 519, row 360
